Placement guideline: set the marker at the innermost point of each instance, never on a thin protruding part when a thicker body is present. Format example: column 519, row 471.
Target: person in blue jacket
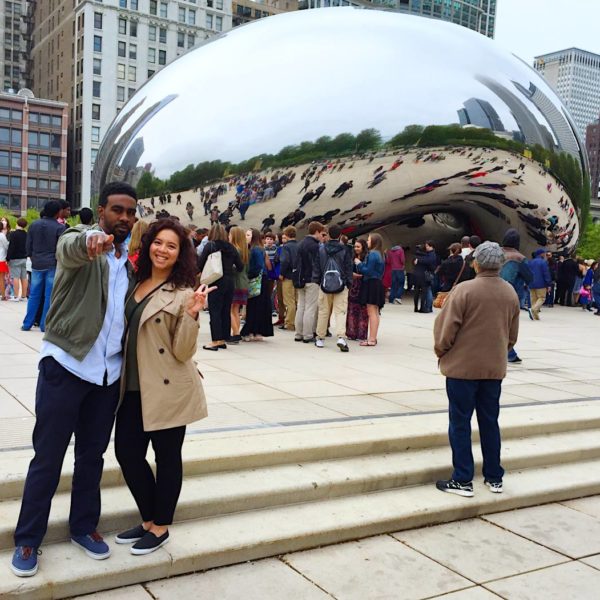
column 541, row 282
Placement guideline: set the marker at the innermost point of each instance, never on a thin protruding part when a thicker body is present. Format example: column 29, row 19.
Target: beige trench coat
column 170, row 384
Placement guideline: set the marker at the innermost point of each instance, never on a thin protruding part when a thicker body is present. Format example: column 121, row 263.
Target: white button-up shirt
column 106, row 354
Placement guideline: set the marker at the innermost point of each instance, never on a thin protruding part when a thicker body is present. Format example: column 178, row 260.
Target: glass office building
column 479, row 15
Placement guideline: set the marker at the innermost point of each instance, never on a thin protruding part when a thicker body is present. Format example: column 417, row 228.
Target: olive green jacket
column 79, row 296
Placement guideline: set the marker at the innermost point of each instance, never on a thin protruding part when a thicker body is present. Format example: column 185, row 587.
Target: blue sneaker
column 24, row 561
column 92, row 544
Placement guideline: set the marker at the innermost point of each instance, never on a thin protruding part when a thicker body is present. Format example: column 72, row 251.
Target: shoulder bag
column 213, row 269
column 441, row 297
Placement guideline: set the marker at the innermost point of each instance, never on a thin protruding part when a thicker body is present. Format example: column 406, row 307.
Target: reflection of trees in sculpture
column 562, row 165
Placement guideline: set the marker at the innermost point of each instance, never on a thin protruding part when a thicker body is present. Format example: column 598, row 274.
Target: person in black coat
column 219, row 300
column 425, row 263
column 450, row 269
column 567, row 271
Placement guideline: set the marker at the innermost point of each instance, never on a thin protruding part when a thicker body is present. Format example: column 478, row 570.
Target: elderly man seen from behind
column 473, row 333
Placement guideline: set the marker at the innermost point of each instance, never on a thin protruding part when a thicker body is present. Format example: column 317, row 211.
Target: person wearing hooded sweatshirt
column 395, row 259
column 541, row 282
column 333, row 269
column 516, row 272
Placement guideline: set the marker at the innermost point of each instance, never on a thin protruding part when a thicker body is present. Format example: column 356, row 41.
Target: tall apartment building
column 33, row 151
column 13, row 56
column 575, row 76
column 479, row 15
column 592, row 143
column 94, row 54
column 246, row 11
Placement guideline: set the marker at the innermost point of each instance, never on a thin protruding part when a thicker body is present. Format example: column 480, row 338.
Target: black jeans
column 156, row 498
column 65, row 404
column 219, row 309
column 420, row 297
column 564, row 292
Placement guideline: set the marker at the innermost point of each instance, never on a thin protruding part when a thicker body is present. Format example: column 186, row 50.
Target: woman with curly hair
column 161, row 388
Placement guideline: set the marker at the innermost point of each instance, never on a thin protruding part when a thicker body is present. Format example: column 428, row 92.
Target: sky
column 529, row 28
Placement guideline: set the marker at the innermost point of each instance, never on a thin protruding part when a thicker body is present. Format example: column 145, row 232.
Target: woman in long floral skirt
column 357, row 320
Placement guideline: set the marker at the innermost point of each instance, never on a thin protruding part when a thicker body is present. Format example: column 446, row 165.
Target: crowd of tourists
column 119, row 302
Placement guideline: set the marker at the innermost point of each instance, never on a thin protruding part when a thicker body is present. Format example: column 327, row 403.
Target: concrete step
column 215, row 494
column 211, row 453
column 216, row 541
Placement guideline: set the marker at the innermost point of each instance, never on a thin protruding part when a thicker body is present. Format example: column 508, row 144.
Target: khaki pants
column 336, row 304
column 538, row 297
column 289, row 301
column 306, row 311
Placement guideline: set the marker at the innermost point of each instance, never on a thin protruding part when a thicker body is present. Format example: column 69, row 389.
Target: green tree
column 589, row 245
column 368, row 139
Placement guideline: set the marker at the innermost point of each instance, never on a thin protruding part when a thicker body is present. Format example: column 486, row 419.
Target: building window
column 42, row 184
column 5, row 114
column 209, row 21
column 96, row 89
column 44, row 161
column 130, row 93
column 131, row 73
column 121, row 49
column 133, row 28
column 120, row 71
column 180, row 39
column 4, row 159
column 33, row 138
column 97, row 43
column 133, row 51
column 97, row 66
column 191, row 16
column 219, row 4
column 152, row 33
column 162, row 57
column 120, row 98
column 97, row 20
column 15, row 137
column 123, row 3
column 96, row 112
column 32, row 162
column 15, row 182
column 134, row 4
column 219, row 23
column 163, row 10
column 122, row 26
column 162, row 35
column 4, row 181
column 152, row 55
column 191, row 40
column 181, row 14
column 95, row 134
column 32, row 183
column 15, row 160
column 94, row 155
column 153, row 7
column 150, row 73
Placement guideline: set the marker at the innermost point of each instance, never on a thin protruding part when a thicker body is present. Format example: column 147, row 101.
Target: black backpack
column 331, row 280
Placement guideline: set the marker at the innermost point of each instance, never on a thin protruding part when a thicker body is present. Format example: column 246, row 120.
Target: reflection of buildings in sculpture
column 481, row 114
column 560, row 126
column 532, row 132
column 246, row 11
column 592, row 144
column 129, row 164
column 575, row 76
column 478, row 16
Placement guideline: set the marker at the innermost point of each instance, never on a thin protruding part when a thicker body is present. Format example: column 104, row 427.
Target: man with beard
column 79, row 374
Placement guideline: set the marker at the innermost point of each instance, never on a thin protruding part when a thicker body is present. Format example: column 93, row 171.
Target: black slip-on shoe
column 149, row 543
column 131, row 535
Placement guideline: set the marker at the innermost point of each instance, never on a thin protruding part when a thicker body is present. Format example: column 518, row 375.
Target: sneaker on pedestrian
column 397, row 301
column 455, row 487
column 131, row 535
column 309, row 340
column 298, row 338
column 149, row 543
column 319, row 343
column 494, row 486
column 530, row 313
column 342, row 344
column 515, row 360
column 24, row 561
column 92, row 544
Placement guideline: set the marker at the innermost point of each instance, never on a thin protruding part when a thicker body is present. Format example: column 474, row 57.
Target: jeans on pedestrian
column 397, row 288
column 483, row 397
column 41, row 284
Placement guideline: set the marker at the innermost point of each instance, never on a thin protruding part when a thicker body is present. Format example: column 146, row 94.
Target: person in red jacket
column 394, row 259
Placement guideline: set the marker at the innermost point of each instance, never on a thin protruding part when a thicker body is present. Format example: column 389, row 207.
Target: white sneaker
column 13, row 299
column 342, row 345
column 397, row 301
column 319, row 343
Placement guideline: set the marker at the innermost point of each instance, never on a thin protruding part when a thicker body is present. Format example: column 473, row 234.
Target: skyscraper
column 97, row 54
column 592, row 143
column 479, row 15
column 13, row 59
column 481, row 114
column 575, row 76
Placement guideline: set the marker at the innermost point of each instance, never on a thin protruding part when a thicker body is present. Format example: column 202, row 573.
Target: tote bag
column 213, row 269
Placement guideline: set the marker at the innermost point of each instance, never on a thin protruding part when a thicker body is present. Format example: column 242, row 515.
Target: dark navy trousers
column 482, row 396
column 66, row 405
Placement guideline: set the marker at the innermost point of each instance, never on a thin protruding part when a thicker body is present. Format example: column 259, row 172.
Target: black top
column 133, row 314
column 308, row 250
column 17, row 246
column 42, row 238
column 229, row 256
column 449, row 271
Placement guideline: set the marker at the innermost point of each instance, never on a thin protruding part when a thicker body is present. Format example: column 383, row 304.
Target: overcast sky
column 532, row 27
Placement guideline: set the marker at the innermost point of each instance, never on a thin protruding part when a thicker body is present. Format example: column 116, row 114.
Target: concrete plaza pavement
column 550, row 551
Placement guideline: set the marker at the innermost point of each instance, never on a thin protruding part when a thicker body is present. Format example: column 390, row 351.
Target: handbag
column 213, row 269
column 254, row 286
column 441, row 297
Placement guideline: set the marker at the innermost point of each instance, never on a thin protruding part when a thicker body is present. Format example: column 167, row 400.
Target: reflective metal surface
column 415, row 127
